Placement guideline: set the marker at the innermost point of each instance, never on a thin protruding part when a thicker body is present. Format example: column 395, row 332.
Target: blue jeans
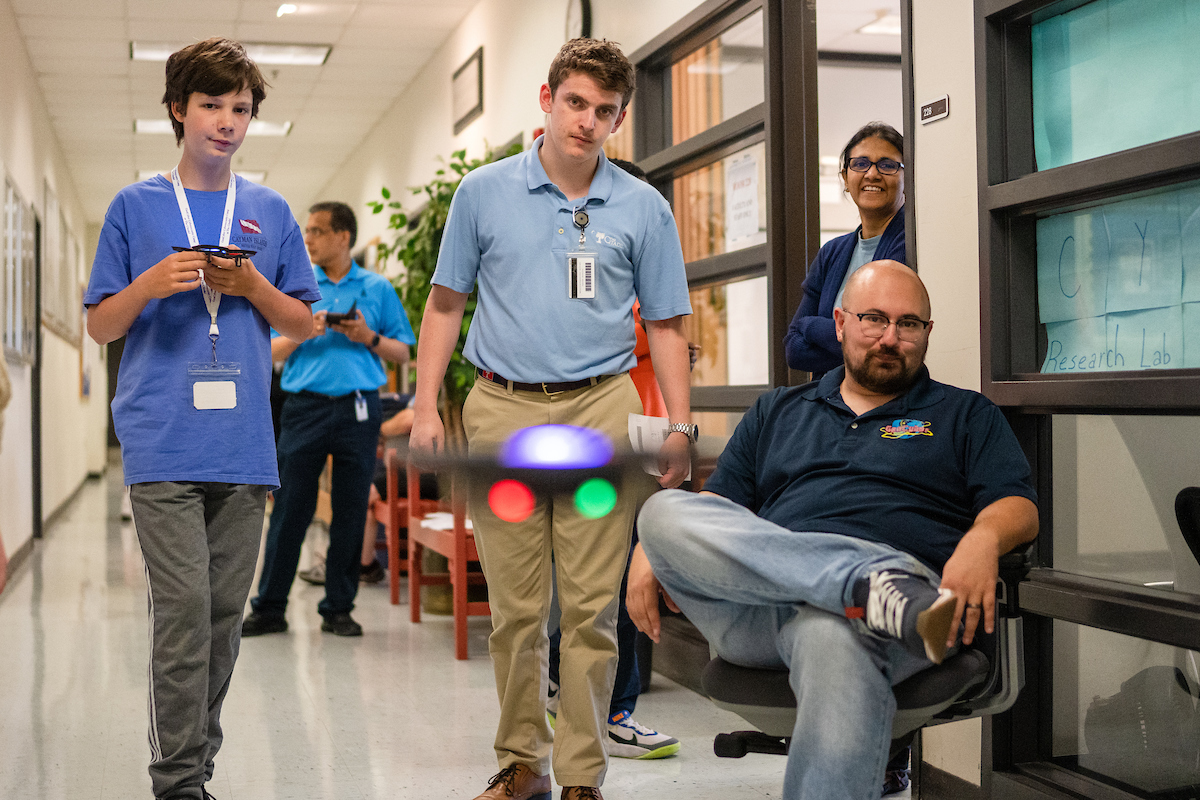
column 766, row 596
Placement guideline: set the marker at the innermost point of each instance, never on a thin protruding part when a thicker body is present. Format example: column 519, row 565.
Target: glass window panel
column 1124, row 711
column 719, row 80
column 722, row 207
column 1111, row 75
column 729, row 322
column 1119, row 284
column 620, row 144
column 1115, row 480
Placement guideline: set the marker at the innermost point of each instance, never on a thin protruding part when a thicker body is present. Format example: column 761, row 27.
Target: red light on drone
column 511, row 501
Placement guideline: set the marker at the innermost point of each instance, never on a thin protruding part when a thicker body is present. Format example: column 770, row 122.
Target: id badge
column 360, row 407
column 214, row 385
column 581, row 276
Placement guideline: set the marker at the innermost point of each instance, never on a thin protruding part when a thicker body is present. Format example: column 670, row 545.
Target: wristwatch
column 374, row 342
column 686, row 428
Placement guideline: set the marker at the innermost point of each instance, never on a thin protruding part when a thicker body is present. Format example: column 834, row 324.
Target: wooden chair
column 393, row 512
column 458, row 546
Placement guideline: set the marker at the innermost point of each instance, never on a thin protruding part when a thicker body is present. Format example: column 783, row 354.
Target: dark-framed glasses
column 908, row 329
column 886, row 166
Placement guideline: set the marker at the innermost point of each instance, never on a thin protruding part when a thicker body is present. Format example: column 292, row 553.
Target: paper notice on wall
column 646, row 436
column 741, row 200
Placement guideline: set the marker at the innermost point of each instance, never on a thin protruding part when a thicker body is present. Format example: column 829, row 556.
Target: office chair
column 1187, row 514
column 984, row 678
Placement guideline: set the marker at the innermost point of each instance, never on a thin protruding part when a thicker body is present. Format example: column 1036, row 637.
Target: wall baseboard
column 57, row 513
column 16, row 560
column 937, row 784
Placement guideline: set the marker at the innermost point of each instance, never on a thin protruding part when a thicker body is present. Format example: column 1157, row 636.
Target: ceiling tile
column 323, row 13
column 70, row 50
column 216, row 11
column 437, row 16
column 58, row 27
column 183, row 31
column 300, row 33
column 91, row 9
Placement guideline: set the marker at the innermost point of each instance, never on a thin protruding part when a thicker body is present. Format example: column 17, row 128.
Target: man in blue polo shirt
column 851, row 525
column 333, row 410
column 560, row 242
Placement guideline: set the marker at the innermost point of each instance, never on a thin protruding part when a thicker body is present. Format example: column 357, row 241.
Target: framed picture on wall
column 466, row 91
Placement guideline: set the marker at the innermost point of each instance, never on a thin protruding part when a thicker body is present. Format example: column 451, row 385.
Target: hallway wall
column 72, row 427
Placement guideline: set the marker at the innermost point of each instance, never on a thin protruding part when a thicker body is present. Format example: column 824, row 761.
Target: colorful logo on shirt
column 250, row 226
column 906, row 429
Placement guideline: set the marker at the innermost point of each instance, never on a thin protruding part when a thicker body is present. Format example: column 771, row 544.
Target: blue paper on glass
column 1189, row 216
column 1146, row 262
column 1078, row 345
column 1072, row 258
column 1110, row 75
column 1191, row 335
column 1149, row 339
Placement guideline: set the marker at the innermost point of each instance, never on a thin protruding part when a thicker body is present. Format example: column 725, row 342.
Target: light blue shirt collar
column 355, row 274
column 536, row 177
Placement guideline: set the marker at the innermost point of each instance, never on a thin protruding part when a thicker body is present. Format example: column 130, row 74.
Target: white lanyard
column 212, row 298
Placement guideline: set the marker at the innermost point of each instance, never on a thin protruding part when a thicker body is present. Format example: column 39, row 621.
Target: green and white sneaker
column 552, row 704
column 627, row 739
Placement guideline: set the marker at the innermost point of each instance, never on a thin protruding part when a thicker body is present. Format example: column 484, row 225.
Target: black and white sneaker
column 903, row 606
column 627, row 739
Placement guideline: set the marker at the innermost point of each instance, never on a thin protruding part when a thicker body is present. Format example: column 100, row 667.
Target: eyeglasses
column 908, row 329
column 317, row 231
column 886, row 166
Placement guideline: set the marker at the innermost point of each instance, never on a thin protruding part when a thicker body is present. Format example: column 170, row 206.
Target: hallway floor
column 309, row 715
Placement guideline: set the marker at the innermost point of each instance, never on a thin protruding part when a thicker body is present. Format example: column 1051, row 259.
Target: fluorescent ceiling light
column 724, row 68
column 887, row 25
column 286, row 8
column 302, row 55
column 253, row 177
column 257, row 127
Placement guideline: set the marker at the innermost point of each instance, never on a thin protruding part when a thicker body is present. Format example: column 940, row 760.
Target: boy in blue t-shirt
column 191, row 409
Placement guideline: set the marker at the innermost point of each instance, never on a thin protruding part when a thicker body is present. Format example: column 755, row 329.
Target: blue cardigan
column 811, row 343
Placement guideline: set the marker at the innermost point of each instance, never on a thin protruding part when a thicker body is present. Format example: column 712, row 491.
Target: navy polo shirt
column 912, row 474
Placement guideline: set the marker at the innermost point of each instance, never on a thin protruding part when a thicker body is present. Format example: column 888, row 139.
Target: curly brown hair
column 599, row 59
column 214, row 67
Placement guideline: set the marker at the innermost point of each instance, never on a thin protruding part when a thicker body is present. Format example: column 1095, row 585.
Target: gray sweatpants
column 200, row 544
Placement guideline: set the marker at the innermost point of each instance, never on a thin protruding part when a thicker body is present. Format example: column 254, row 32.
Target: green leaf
column 386, row 194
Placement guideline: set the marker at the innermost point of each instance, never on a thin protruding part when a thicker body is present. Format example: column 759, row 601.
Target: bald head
column 882, row 279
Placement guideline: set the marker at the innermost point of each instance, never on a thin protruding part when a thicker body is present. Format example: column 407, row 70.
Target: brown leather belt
column 545, row 388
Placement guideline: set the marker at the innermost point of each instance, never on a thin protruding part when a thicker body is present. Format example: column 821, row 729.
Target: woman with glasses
column 873, row 172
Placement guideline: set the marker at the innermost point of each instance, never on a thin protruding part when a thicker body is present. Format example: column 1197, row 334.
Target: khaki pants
column 590, row 556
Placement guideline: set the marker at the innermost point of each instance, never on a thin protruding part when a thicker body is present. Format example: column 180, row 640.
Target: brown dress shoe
column 517, row 782
column 581, row 793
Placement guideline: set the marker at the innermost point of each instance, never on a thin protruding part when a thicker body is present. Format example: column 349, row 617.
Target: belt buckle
column 549, row 393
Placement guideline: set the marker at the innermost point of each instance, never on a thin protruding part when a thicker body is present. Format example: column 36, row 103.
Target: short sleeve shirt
column 510, row 229
column 334, row 365
column 163, row 437
column 913, row 473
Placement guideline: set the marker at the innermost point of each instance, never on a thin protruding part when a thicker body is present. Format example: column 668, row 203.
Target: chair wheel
column 729, row 745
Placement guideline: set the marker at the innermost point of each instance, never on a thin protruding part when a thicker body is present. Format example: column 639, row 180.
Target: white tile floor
column 308, row 716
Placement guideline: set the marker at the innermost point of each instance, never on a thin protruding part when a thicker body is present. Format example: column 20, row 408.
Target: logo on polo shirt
column 250, row 226
column 906, row 429
column 604, row 238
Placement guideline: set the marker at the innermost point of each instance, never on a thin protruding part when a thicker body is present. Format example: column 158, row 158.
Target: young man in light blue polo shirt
column 560, row 243
column 332, row 410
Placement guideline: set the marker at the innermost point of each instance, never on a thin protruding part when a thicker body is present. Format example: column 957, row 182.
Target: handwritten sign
column 1119, row 284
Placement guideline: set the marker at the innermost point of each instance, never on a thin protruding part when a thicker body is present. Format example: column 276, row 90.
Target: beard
column 895, row 379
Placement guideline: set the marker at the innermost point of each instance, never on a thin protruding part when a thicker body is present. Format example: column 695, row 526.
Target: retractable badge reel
column 581, row 265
